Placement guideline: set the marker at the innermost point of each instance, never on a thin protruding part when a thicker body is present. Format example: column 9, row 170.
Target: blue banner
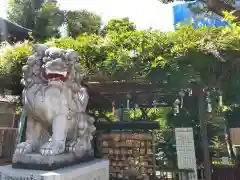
column 182, row 11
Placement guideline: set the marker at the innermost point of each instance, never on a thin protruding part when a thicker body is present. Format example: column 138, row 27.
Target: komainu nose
column 57, row 63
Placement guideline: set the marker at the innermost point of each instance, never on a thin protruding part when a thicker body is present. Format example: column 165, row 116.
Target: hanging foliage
column 176, row 58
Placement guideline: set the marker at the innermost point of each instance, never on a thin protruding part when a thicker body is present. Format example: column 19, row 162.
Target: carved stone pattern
column 54, row 97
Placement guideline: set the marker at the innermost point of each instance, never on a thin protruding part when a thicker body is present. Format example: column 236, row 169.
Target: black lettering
column 6, row 178
column 20, row 178
column 31, row 177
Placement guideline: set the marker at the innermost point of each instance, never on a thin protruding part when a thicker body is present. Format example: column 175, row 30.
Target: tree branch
column 218, row 6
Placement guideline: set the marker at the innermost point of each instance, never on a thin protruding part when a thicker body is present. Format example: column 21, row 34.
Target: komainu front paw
column 71, row 146
column 79, row 147
column 51, row 149
column 24, row 148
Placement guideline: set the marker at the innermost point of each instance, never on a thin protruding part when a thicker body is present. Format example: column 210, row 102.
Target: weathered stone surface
column 55, row 104
column 39, row 162
column 93, row 170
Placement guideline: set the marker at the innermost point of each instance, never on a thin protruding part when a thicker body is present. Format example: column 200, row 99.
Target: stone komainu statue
column 55, row 102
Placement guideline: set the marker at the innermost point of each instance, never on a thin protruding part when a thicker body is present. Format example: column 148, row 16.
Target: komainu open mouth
column 56, row 75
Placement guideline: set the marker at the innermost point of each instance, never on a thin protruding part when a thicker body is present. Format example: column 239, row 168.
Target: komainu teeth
column 56, row 72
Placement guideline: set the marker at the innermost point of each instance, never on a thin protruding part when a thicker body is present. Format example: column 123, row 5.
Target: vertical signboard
column 186, row 151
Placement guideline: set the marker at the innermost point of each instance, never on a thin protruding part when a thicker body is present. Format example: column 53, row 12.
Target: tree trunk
column 203, row 131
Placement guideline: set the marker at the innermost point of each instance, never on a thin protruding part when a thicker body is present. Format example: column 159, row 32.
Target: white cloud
column 3, row 5
column 145, row 13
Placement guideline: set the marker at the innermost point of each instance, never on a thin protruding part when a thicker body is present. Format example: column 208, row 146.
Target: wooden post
column 122, row 111
column 154, row 154
column 203, row 131
column 113, row 108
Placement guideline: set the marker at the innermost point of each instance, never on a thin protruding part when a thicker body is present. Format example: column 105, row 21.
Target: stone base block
column 93, row 170
column 47, row 163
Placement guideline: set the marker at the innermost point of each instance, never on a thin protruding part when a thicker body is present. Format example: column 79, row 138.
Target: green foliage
column 89, row 48
column 14, row 55
column 189, row 54
column 80, row 22
column 43, row 18
column 218, row 147
column 11, row 62
column 119, row 26
column 134, row 52
column 48, row 19
column 176, row 58
column 23, row 12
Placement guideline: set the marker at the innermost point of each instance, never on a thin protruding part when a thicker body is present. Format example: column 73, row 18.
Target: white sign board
column 186, row 156
column 92, row 170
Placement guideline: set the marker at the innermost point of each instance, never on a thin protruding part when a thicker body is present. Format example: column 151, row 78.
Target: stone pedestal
column 93, row 170
column 47, row 163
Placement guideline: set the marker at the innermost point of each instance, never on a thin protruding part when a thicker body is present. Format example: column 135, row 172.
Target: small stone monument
column 59, row 131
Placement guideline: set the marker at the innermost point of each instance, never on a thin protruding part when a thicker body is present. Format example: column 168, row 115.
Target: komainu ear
column 71, row 56
column 40, row 49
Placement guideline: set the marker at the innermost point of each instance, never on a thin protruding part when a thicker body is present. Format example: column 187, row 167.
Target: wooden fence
column 7, row 143
column 226, row 173
column 218, row 173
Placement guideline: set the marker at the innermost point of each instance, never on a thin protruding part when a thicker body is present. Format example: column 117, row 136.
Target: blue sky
column 145, row 13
